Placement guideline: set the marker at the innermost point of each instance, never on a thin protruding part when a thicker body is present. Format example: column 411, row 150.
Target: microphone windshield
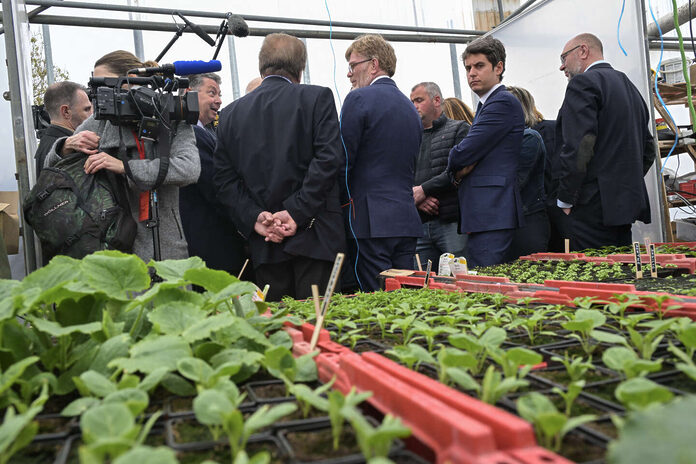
column 183, row 68
column 239, row 26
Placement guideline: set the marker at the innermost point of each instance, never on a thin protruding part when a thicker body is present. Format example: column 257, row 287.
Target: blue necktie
column 478, row 110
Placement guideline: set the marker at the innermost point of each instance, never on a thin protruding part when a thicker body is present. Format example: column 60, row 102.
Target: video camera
column 147, row 102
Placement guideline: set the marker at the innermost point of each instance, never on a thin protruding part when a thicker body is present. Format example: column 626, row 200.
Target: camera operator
column 140, row 166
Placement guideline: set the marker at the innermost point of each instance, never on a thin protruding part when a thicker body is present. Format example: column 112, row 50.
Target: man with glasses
column 605, row 152
column 382, row 133
column 210, row 235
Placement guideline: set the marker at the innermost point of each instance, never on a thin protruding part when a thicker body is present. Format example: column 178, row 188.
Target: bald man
column 605, row 151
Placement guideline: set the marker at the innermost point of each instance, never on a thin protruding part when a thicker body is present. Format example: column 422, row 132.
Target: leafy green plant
column 583, row 323
column 281, row 364
column 308, row 398
column 532, row 324
column 337, row 403
column 687, row 365
column 411, row 355
column 481, row 346
column 550, row 424
column 451, row 360
column 641, row 393
column 570, row 394
column 17, row 429
column 515, row 362
column 214, row 409
column 626, row 361
column 429, row 333
column 375, row 442
column 575, row 366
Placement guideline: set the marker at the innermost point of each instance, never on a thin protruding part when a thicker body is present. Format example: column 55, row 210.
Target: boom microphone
column 197, row 29
column 182, row 68
column 238, row 25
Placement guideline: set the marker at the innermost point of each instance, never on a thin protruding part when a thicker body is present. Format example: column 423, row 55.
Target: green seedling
column 281, row 364
column 479, row 347
column 411, row 355
column 453, row 359
column 491, row 389
column 404, row 325
column 622, row 303
column 375, row 442
column 624, row 360
column 142, row 453
column 342, row 324
column 515, row 362
column 337, row 401
column 583, row 323
column 687, row 365
column 550, row 424
column 685, row 331
column 640, row 393
column 308, row 398
column 214, row 409
column 18, row 429
column 110, row 430
column 429, row 333
column 352, row 337
column 532, row 324
column 570, row 394
column 576, row 367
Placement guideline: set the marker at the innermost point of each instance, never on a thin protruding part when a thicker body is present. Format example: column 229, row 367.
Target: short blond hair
column 374, row 46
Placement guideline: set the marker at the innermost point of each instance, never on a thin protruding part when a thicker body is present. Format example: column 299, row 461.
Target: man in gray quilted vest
column 434, row 194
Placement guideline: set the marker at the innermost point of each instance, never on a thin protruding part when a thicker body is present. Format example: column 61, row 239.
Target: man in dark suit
column 67, row 104
column 485, row 163
column 382, row 133
column 605, row 150
column 210, row 234
column 276, row 170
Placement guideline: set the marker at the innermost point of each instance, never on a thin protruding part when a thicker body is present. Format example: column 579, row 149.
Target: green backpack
column 75, row 214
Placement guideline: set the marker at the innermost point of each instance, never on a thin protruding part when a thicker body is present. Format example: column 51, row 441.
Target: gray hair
column 59, row 94
column 196, row 80
column 431, row 88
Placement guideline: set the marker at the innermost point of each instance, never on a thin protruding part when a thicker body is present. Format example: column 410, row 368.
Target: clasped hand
column 275, row 227
column 88, row 143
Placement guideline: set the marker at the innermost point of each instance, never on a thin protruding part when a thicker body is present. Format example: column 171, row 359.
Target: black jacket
column 49, row 137
column 279, row 148
column 209, row 232
column 445, row 133
column 606, row 145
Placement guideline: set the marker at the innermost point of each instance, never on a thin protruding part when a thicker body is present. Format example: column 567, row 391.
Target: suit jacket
column 382, row 133
column 489, row 196
column 210, row 234
column 279, row 148
column 49, row 137
column 606, row 145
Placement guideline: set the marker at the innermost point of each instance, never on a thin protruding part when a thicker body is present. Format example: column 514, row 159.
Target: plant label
column 458, row 266
column 444, row 267
column 653, row 262
column 639, row 265
column 427, row 274
column 567, row 245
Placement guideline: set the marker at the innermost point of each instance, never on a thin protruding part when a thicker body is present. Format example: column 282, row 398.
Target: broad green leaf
column 57, row 330
column 79, row 406
column 112, row 348
column 164, row 293
column 523, row 356
column 174, row 269
column 617, row 357
column 97, row 384
column 639, row 393
column 452, row 357
column 152, row 379
column 265, row 416
column 194, row 369
column 202, row 329
column 233, row 290
column 174, row 318
column 58, row 271
column 493, row 337
column 177, row 385
column 211, row 407
column 210, row 279
column 237, row 329
column 577, row 421
column 606, row 337
column 135, row 399
column 14, row 372
column 115, row 273
column 281, row 338
column 112, row 420
column 151, row 354
column 146, row 454
column 663, row 433
column 462, row 378
column 306, row 368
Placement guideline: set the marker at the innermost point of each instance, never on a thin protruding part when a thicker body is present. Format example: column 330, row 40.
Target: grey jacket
column 184, row 169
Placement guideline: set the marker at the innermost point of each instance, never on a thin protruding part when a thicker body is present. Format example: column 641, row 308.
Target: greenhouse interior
column 409, row 263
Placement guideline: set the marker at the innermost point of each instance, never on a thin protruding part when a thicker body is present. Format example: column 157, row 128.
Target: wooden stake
column 420, row 268
column 315, row 295
column 567, row 245
column 243, row 267
column 333, row 280
column 639, row 265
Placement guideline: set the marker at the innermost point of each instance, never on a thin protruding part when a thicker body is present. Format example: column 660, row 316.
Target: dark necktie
column 478, row 110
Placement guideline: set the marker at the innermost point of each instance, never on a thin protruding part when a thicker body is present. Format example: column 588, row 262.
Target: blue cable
column 618, row 28
column 657, row 92
column 345, row 150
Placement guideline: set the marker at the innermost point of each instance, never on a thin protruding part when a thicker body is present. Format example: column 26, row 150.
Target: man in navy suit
column 606, row 149
column 484, row 164
column 382, row 133
column 210, row 234
column 277, row 163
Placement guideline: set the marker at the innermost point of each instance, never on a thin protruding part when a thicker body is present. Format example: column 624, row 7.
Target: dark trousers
column 293, row 278
column 533, row 236
column 557, row 228
column 490, row 247
column 378, row 254
column 585, row 227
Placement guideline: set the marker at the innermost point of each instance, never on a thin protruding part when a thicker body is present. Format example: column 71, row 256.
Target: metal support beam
column 48, row 53
column 501, row 11
column 259, row 32
column 19, row 78
column 272, row 19
column 305, row 74
column 234, row 72
column 519, row 10
column 666, row 22
column 31, row 14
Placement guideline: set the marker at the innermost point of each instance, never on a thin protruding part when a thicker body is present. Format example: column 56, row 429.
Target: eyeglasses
column 351, row 66
column 564, row 55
